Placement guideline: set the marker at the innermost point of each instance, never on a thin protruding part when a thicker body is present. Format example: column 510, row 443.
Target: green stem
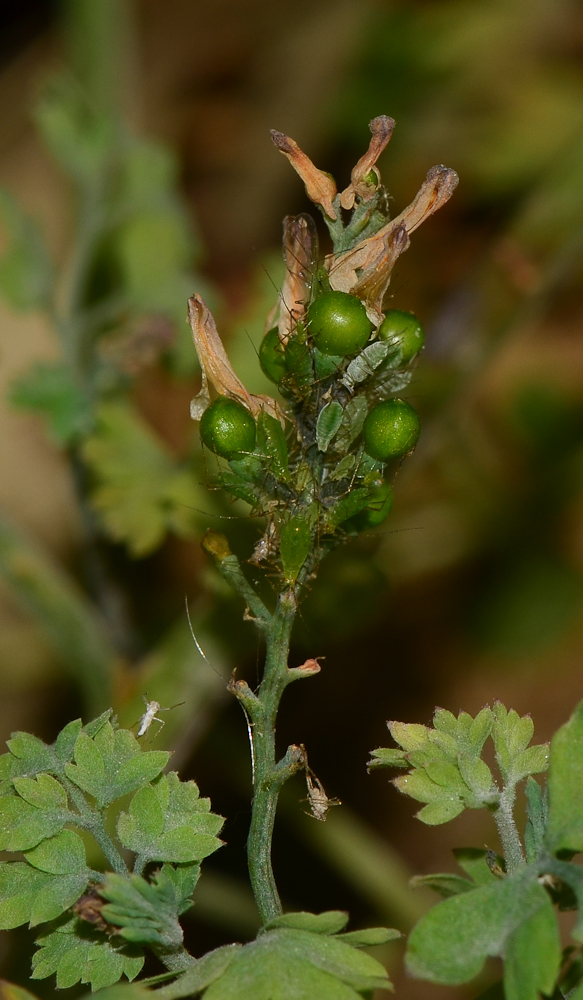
column 267, row 779
column 175, row 959
column 508, row 831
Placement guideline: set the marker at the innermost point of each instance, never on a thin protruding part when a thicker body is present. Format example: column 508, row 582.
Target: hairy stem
column 508, row 831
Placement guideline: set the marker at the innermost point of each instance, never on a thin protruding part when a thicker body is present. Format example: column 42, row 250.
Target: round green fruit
column 391, row 429
column 271, row 356
column 227, row 427
column 379, row 508
column 404, row 331
column 338, row 323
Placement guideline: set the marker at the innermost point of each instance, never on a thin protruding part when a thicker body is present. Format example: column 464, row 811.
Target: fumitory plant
column 504, row 905
column 110, row 846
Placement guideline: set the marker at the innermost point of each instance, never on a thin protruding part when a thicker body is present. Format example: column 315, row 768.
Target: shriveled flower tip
column 366, row 269
column 320, row 187
column 381, row 129
column 217, row 369
column 300, row 250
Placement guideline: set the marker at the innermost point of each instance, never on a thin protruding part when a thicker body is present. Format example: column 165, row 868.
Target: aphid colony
column 319, row 466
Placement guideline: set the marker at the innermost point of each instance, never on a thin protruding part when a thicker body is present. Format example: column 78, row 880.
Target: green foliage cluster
column 51, row 798
column 503, row 905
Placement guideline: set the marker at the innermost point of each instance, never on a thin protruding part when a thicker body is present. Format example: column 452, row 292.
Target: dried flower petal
column 366, row 270
column 382, row 130
column 320, row 187
column 300, row 247
column 217, row 368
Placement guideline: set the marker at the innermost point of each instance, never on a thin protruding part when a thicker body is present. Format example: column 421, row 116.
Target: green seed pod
column 271, row 356
column 294, row 546
column 391, row 429
column 227, row 427
column 403, row 331
column 338, row 323
column 377, row 511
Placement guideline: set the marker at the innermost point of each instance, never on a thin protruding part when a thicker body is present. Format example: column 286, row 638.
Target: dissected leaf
column 26, row 270
column 512, row 734
column 112, row 763
column 330, row 922
column 168, row 821
column 48, row 389
column 80, row 138
column 140, row 490
column 202, row 974
column 147, row 912
column 79, row 953
column 40, row 813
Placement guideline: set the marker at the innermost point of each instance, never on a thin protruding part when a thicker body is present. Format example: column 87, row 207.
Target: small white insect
column 319, row 801
column 150, row 716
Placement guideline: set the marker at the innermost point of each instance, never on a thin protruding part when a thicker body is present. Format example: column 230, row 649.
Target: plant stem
column 508, row 831
column 268, row 780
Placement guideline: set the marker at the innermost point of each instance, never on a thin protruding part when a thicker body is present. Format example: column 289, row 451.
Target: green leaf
column 26, row 270
column 295, row 544
column 23, row 825
column 112, row 763
column 451, row 943
column 79, row 138
column 369, row 937
column 330, row 922
column 537, row 820
column 473, row 861
column 169, row 822
column 445, row 884
column 565, row 780
column 79, row 953
column 202, row 974
column 19, row 886
column 289, row 964
column 328, row 424
column 532, row 956
column 147, row 912
column 387, row 757
column 140, row 492
column 409, row 735
column 49, row 390
column 511, row 735
column 57, row 896
column 63, row 854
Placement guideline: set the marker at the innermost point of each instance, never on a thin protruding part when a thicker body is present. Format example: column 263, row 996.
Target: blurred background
column 136, row 168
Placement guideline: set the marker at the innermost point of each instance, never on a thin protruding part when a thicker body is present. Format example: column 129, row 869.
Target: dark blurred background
column 135, row 140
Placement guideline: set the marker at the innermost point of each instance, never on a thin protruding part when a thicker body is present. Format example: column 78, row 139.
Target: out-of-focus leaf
column 9, row 991
column 71, row 624
column 26, row 270
column 532, row 957
column 565, row 822
column 49, row 390
column 79, row 953
column 81, row 139
column 140, row 491
column 445, row 884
